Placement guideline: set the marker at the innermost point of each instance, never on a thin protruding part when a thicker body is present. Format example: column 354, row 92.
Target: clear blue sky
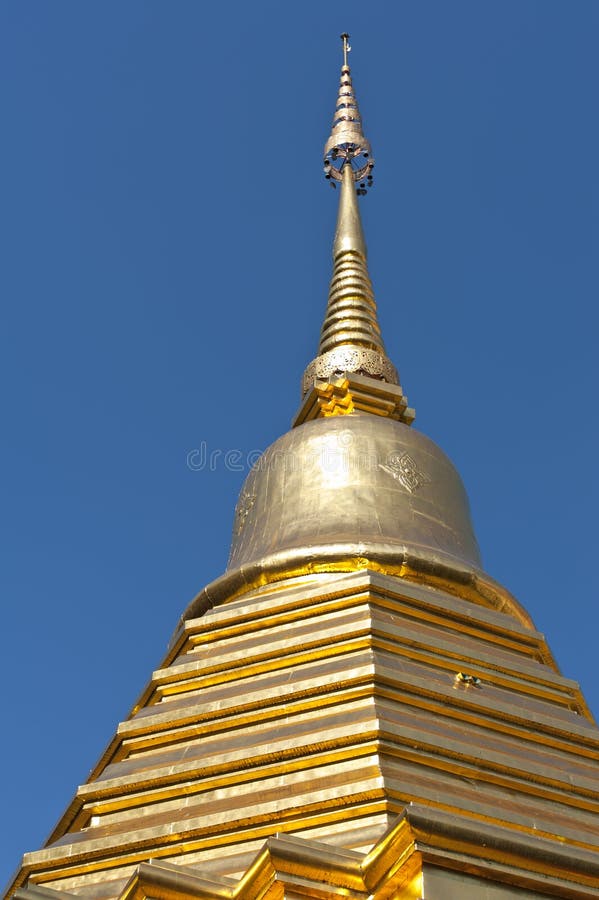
column 166, row 237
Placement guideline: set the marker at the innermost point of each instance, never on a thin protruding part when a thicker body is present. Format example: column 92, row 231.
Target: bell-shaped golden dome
column 354, row 486
column 352, row 492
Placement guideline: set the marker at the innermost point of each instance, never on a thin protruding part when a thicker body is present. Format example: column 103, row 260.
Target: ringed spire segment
column 347, row 144
column 351, row 372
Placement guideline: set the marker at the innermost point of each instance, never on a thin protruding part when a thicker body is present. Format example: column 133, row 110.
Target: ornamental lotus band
column 355, row 708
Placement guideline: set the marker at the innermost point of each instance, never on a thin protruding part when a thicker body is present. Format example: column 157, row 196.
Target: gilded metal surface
column 354, row 393
column 351, row 312
column 347, row 144
column 445, row 884
column 351, row 359
column 351, row 338
column 349, row 236
column 323, row 707
column 426, row 854
column 359, row 481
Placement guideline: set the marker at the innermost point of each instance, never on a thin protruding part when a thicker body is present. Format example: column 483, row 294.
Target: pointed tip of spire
column 347, row 143
column 346, row 48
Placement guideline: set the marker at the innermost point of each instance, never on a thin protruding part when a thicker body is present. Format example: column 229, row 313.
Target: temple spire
column 350, row 340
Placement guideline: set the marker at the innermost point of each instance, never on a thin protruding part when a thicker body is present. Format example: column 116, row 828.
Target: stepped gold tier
column 355, row 709
column 341, row 709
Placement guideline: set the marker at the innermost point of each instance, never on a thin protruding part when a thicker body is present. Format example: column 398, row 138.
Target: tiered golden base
column 323, row 708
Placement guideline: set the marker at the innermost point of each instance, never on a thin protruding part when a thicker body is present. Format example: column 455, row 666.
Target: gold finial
column 347, row 144
column 346, row 47
column 351, row 344
column 351, row 319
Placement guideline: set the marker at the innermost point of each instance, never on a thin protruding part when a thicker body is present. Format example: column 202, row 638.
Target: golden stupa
column 355, row 709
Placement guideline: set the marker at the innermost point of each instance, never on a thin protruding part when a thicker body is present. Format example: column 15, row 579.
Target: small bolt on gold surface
column 465, row 678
